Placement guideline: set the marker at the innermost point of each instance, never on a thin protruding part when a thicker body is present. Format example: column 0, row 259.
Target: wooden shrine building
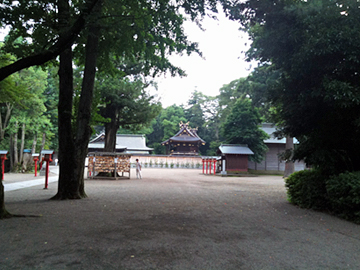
column 185, row 142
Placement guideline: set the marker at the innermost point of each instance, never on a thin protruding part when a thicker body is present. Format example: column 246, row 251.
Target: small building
column 125, row 143
column 185, row 142
column 275, row 146
column 235, row 156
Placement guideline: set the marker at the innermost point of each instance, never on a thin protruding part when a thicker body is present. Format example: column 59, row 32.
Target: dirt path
column 174, row 219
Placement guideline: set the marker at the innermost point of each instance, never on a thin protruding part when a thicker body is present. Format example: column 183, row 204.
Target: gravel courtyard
column 174, row 219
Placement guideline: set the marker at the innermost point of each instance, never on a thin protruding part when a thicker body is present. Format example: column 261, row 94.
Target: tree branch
column 66, row 40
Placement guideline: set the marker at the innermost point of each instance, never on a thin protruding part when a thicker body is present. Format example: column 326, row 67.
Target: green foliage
column 339, row 194
column 126, row 101
column 314, row 45
column 214, row 146
column 170, row 119
column 307, row 189
column 344, row 195
column 242, row 127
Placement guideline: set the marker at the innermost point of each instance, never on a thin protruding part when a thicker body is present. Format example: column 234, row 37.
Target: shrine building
column 185, row 142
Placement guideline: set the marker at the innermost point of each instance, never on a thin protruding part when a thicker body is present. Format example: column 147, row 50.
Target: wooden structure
column 103, row 165
column 125, row 143
column 185, row 142
column 235, row 157
column 275, row 146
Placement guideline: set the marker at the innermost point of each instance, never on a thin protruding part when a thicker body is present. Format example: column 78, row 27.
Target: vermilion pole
column 210, row 161
column 214, row 166
column 206, row 160
column 36, row 160
column 203, row 161
column 2, row 166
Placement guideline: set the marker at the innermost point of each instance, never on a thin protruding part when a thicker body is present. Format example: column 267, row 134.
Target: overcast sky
column 222, row 45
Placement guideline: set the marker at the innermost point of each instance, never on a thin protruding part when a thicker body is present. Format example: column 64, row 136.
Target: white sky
column 222, row 45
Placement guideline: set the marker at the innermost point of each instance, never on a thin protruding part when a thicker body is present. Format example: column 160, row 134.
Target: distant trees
column 239, row 123
column 126, row 104
column 242, row 126
column 23, row 119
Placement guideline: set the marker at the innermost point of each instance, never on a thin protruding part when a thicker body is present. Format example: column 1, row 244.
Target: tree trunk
column 16, row 154
column 68, row 186
column 289, row 164
column 110, row 135
column 4, row 125
column 33, row 147
column 22, row 143
column 86, row 98
column 11, row 153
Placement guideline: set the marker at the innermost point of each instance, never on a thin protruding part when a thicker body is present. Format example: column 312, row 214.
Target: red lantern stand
column 36, row 159
column 3, row 154
column 47, row 159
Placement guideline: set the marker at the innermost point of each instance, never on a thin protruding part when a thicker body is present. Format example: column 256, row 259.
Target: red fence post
column 214, row 166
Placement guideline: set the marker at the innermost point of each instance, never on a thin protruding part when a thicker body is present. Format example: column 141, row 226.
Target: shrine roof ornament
column 185, row 134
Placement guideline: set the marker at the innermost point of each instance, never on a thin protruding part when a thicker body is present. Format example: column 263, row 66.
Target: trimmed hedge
column 339, row 194
column 344, row 195
column 307, row 189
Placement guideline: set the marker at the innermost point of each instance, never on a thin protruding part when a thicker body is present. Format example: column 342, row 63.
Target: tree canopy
column 314, row 45
column 242, row 126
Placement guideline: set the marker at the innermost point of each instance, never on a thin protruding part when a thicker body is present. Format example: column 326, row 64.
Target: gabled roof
column 241, row 149
column 270, row 129
column 130, row 142
column 185, row 134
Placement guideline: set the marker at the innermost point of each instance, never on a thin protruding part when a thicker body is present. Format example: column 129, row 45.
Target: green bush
column 307, row 189
column 344, row 195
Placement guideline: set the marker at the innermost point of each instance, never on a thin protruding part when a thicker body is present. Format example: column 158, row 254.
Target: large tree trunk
column 86, row 98
column 110, row 134
column 68, row 186
column 72, row 153
column 289, row 164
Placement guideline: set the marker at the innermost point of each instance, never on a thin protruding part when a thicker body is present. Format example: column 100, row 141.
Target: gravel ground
column 174, row 219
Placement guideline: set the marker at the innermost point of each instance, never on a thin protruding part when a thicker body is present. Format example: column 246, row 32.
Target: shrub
column 344, row 195
column 307, row 189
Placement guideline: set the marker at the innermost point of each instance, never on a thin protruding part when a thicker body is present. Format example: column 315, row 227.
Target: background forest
column 122, row 103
